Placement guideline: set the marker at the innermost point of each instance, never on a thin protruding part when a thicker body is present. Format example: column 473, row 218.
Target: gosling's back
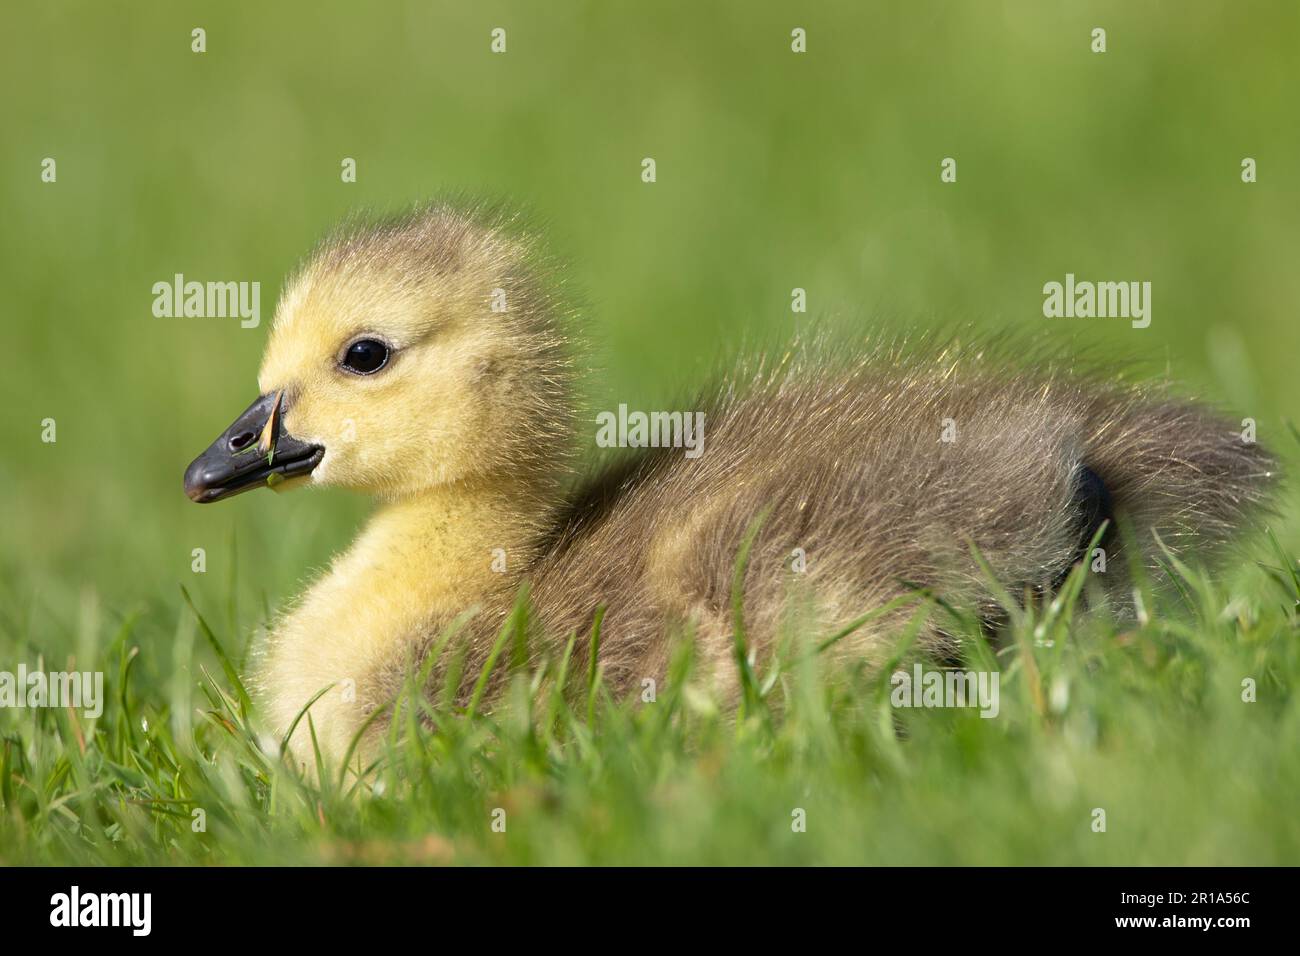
column 876, row 478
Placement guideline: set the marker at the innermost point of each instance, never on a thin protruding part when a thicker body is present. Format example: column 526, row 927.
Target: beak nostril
column 242, row 440
column 231, row 464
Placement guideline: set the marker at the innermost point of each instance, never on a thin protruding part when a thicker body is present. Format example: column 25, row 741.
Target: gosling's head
column 414, row 353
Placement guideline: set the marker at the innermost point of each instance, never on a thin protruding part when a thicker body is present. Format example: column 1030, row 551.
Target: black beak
column 252, row 452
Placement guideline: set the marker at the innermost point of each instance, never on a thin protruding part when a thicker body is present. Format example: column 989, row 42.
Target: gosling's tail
column 1173, row 472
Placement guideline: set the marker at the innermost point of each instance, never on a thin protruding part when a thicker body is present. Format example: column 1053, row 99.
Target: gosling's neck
column 420, row 561
column 450, row 543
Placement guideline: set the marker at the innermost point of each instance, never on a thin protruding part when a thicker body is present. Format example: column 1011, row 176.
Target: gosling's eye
column 365, row 357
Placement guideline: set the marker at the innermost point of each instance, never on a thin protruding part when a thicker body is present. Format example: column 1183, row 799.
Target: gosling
column 425, row 361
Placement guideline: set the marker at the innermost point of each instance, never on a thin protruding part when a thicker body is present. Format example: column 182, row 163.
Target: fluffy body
column 467, row 441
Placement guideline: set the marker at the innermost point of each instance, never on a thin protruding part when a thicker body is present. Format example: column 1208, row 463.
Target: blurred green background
column 775, row 170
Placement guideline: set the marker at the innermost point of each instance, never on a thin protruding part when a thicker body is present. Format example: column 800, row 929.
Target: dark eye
column 365, row 357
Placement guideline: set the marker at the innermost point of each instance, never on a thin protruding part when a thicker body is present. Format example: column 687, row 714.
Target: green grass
column 775, row 171
column 1147, row 723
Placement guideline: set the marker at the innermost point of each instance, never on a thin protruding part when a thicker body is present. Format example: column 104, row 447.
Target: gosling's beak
column 252, row 452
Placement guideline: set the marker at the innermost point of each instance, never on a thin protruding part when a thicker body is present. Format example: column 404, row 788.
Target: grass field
column 775, row 170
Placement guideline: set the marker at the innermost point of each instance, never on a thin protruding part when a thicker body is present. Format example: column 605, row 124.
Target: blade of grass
column 593, row 663
column 227, row 667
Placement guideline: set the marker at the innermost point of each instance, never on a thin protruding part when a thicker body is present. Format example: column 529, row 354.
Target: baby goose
column 422, row 360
